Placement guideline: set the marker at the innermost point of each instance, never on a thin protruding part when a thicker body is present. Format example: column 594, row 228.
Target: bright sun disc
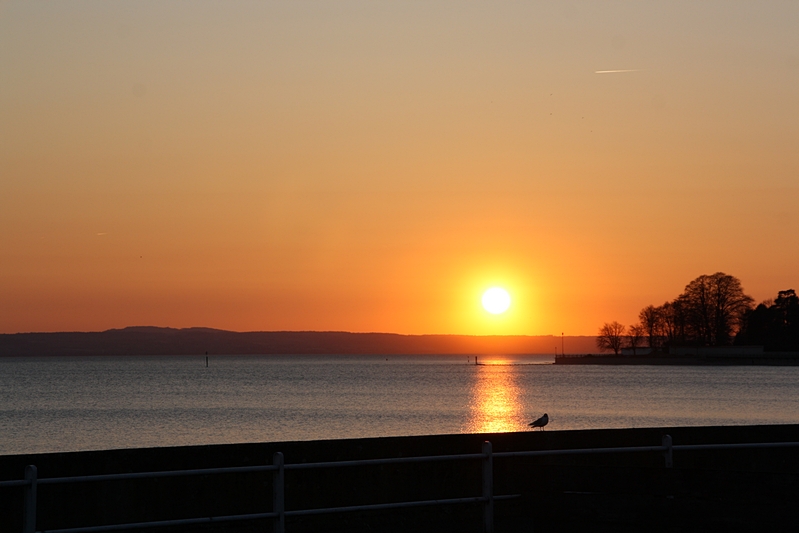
column 496, row 300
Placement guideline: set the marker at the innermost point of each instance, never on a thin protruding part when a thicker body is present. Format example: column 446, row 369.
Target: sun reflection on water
column 495, row 405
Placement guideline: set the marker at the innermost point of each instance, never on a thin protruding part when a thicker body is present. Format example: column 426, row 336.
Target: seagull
column 540, row 423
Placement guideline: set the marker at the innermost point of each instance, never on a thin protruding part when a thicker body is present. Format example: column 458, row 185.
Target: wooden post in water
column 206, row 359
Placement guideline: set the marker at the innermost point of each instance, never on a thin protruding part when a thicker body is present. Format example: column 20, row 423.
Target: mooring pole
column 488, row 488
column 278, row 493
column 29, row 505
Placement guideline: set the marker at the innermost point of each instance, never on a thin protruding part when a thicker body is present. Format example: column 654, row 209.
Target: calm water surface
column 67, row 404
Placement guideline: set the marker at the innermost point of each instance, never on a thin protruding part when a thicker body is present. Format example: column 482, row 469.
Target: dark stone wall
column 734, row 490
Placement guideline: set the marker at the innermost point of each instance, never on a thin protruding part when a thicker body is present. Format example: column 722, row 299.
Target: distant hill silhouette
column 197, row 341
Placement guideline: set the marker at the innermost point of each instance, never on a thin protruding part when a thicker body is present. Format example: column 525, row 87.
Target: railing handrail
column 486, row 456
column 162, row 473
column 393, row 460
column 387, row 460
column 241, row 469
column 164, row 523
column 583, row 451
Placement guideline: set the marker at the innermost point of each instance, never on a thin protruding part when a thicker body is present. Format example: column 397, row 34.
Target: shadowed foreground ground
column 730, row 490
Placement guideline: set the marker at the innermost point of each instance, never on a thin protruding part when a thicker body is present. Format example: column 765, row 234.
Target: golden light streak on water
column 495, row 400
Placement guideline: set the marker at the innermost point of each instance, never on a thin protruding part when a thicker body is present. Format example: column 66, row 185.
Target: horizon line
column 294, row 331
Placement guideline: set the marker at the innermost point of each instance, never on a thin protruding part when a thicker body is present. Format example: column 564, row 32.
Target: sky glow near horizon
column 377, row 166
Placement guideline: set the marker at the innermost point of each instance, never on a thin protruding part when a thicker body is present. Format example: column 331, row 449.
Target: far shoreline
column 206, row 341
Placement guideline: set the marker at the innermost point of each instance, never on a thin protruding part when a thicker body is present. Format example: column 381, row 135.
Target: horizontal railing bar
column 394, row 460
column 398, row 505
column 582, row 451
column 166, row 473
column 380, row 506
column 161, row 523
column 231, row 518
column 15, row 483
column 241, row 469
column 636, row 449
column 684, row 447
column 735, row 446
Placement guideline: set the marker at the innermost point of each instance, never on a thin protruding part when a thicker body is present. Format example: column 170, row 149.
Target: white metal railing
column 31, row 482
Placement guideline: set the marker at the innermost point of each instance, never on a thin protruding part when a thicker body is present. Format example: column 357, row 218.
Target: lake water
column 74, row 403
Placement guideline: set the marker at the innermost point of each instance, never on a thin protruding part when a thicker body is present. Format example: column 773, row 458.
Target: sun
column 496, row 300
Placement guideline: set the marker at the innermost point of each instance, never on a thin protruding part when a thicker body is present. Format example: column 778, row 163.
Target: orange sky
column 371, row 166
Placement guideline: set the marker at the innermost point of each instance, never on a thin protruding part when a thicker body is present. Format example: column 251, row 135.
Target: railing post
column 279, row 493
column 29, row 506
column 488, row 488
column 667, row 453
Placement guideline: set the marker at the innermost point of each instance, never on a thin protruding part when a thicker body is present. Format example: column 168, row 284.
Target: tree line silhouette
column 774, row 324
column 713, row 310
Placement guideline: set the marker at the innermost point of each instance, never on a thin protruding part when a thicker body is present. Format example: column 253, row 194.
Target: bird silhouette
column 540, row 423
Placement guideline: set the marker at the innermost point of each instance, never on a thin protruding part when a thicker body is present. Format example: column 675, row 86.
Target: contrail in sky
column 615, row 71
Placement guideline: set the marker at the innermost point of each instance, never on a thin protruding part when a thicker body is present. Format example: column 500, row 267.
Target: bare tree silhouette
column 653, row 321
column 715, row 306
column 635, row 336
column 610, row 337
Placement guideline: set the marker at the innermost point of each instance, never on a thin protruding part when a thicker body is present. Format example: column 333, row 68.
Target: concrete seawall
column 730, row 490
